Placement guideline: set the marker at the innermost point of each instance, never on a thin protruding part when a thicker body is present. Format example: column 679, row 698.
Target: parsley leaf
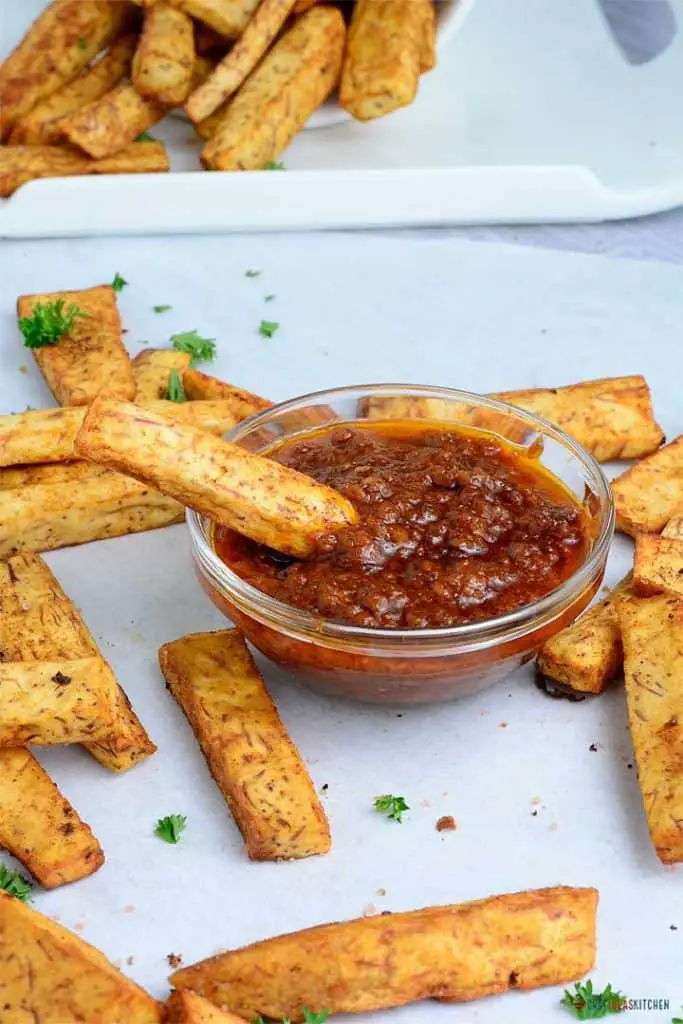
column 82, row 43
column 15, row 884
column 175, row 392
column 586, row 1004
column 161, row 309
column 267, row 328
column 274, row 165
column 252, row 273
column 677, row 1020
column 48, row 323
column 145, row 137
column 268, row 298
column 171, row 827
column 393, row 806
column 119, row 283
column 309, row 1017
column 202, row 350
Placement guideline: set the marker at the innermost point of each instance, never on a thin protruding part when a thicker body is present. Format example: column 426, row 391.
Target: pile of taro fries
column 116, row 457
column 91, row 77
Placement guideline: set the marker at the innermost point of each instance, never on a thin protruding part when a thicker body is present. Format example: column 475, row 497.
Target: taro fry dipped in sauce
column 454, row 527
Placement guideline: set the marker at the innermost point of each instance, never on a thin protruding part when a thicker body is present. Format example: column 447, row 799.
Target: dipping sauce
column 455, row 527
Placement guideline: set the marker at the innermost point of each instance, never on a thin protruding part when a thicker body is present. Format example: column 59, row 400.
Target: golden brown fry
column 428, row 49
column 189, row 1008
column 57, row 46
column 108, row 125
column 42, row 125
column 674, row 527
column 301, row 6
column 382, row 63
column 164, row 61
column 21, row 164
column 200, row 386
column 15, row 477
column 612, row 418
column 652, row 632
column 44, row 517
column 254, row 762
column 269, row 503
column 207, row 128
column 92, row 355
column 658, row 566
column 50, row 702
column 275, row 102
column 587, row 655
column 455, row 953
column 39, row 623
column 151, row 369
column 49, row 975
column 232, row 71
column 40, row 827
column 228, row 18
column 648, row 494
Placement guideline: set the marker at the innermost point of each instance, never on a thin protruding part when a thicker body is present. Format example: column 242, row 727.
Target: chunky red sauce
column 454, row 528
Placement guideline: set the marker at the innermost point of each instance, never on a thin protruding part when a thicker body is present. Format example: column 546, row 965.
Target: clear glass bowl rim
column 304, row 626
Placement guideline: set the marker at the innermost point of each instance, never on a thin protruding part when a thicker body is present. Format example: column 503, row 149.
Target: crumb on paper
column 446, row 824
column 129, row 909
column 383, row 892
column 174, row 959
column 399, row 715
column 503, row 725
column 593, row 748
column 130, row 960
column 629, row 764
column 22, row 368
column 369, row 910
column 534, row 814
column 425, row 803
column 536, row 800
column 325, row 787
column 673, row 927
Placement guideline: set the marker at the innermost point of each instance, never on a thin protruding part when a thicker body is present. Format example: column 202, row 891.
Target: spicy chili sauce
column 454, row 527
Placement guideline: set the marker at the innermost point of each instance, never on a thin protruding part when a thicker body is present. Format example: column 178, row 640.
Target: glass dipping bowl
column 409, row 666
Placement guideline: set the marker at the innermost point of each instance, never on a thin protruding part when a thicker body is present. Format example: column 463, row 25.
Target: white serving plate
column 353, row 309
column 534, row 114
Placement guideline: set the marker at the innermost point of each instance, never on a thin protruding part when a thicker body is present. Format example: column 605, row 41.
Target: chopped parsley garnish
column 274, row 165
column 175, row 392
column 15, row 884
column 48, row 323
column 82, row 43
column 267, row 328
column 161, row 309
column 119, row 283
column 171, row 827
column 145, row 137
column 586, row 1004
column 309, row 1017
column 252, row 273
column 202, row 350
column 393, row 806
column 268, row 298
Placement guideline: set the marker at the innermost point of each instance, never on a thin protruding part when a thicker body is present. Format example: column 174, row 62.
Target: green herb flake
column 274, row 165
column 145, row 137
column 394, row 807
column 171, row 828
column 82, row 43
column 48, row 323
column 175, row 392
column 119, row 283
column 252, row 273
column 202, row 350
column 15, row 884
column 161, row 309
column 309, row 1017
column 585, row 1004
column 267, row 328
column 268, row 298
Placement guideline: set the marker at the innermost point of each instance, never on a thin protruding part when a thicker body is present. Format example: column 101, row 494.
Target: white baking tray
column 534, row 114
column 353, row 309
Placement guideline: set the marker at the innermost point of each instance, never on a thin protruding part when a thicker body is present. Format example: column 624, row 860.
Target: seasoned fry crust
column 21, row 164
column 612, row 418
column 39, row 623
column 60, row 43
column 228, row 18
column 648, row 494
column 270, row 503
column 92, row 356
column 164, row 61
column 652, row 632
column 41, row 126
column 189, row 1008
column 254, row 762
column 229, row 75
column 200, row 386
column 275, row 102
column 522, row 940
column 44, row 517
column 658, row 566
column 49, row 975
column 151, row 369
column 14, row 477
column 674, row 527
column 40, row 827
column 383, row 57
column 587, row 655
column 428, row 49
column 108, row 125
